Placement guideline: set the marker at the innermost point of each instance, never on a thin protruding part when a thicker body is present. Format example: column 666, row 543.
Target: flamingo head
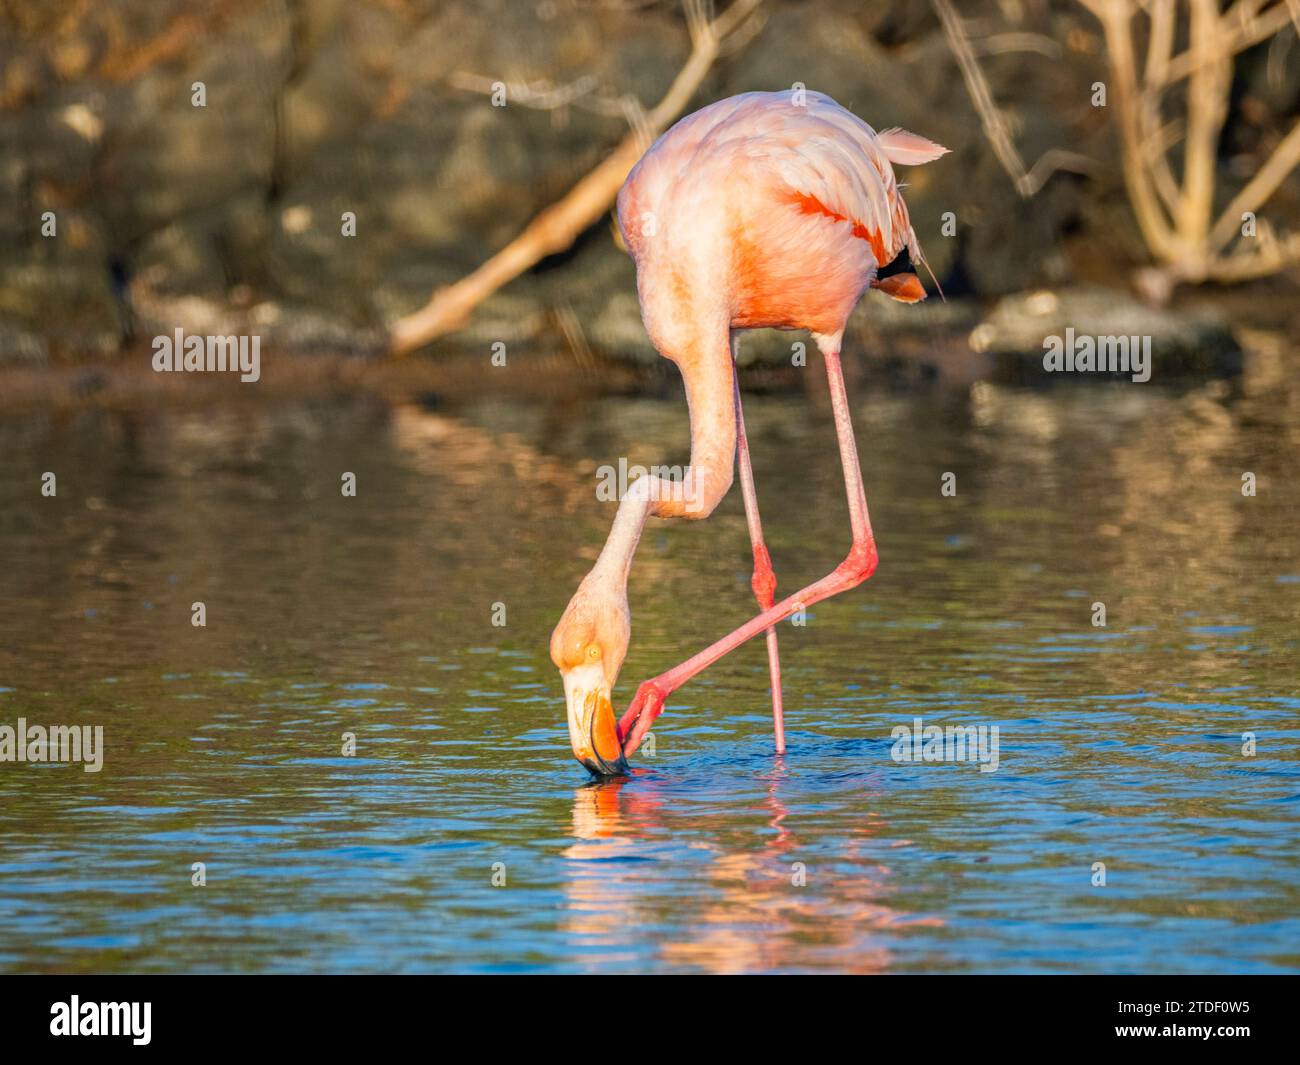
column 588, row 647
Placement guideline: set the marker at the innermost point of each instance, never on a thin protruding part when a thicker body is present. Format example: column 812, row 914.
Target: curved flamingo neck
column 615, row 561
column 707, row 373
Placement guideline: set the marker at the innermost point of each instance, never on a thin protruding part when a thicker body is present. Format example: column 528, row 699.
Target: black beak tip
column 604, row 770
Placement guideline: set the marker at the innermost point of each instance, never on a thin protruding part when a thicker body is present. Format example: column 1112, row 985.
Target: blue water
column 462, row 836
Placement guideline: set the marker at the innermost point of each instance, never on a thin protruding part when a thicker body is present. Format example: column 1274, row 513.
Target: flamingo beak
column 593, row 732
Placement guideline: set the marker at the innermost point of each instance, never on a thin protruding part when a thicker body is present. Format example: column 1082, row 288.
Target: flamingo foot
column 646, row 705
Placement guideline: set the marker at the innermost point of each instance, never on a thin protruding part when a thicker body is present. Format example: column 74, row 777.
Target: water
column 373, row 615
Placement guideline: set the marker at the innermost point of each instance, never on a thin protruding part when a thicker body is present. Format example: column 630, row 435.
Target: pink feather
column 907, row 149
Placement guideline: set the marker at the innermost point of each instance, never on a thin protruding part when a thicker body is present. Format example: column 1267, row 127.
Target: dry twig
column 559, row 225
column 1027, row 182
column 1177, row 218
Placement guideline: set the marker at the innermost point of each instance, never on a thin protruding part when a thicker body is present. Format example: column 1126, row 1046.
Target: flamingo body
column 766, row 213
column 768, row 209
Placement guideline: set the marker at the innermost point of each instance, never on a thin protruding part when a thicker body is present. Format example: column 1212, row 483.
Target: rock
column 72, row 309
column 393, row 119
column 183, row 258
column 64, row 296
column 286, row 327
column 18, row 347
column 382, row 110
column 1191, row 341
column 166, row 158
column 307, row 330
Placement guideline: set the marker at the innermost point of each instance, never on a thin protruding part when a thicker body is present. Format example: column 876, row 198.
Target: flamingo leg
column 764, row 579
column 857, row 566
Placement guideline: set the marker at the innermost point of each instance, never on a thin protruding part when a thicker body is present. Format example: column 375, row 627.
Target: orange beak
column 906, row 288
column 593, row 731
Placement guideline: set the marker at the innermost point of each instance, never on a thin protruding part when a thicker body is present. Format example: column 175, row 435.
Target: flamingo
column 767, row 209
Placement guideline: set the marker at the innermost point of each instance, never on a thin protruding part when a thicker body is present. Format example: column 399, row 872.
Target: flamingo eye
column 593, row 652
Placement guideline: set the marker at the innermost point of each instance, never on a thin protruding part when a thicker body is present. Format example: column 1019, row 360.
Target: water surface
column 373, row 615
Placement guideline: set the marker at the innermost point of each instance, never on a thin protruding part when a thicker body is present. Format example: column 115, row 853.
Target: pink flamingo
column 768, row 209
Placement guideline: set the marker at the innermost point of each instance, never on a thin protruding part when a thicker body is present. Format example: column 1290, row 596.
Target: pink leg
column 648, row 702
column 764, row 580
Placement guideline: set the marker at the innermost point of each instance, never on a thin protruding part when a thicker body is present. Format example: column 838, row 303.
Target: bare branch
column 542, row 95
column 1116, row 19
column 1055, row 159
column 1245, row 35
column 995, row 125
column 1207, row 107
column 1268, row 260
column 1285, row 158
column 1176, row 219
column 558, row 225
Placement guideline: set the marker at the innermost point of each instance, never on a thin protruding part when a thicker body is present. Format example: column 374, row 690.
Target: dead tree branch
column 1175, row 215
column 559, row 225
column 996, row 129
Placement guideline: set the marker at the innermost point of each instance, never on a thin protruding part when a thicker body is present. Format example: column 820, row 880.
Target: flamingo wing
column 838, row 166
column 831, row 161
column 810, row 154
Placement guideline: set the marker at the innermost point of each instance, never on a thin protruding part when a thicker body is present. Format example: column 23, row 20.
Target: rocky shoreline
column 233, row 216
